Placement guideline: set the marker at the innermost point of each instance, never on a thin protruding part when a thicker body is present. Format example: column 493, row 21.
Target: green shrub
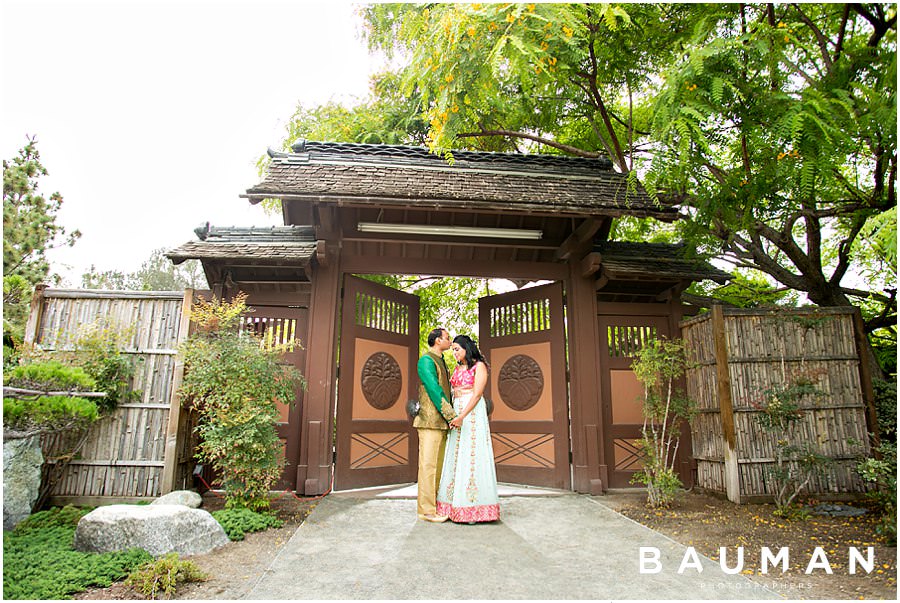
column 658, row 365
column 99, row 351
column 883, row 473
column 40, row 563
column 235, row 382
column 238, row 521
column 49, row 412
column 50, row 375
column 886, row 408
column 163, row 576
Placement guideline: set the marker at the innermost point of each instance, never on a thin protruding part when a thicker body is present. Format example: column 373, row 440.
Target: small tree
column 659, row 366
column 796, row 463
column 235, row 383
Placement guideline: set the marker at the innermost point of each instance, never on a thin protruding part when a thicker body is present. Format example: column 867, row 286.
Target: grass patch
column 40, row 563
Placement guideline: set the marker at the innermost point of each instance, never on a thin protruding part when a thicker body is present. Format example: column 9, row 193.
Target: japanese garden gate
column 566, row 410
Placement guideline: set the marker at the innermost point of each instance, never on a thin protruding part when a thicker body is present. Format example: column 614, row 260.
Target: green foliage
column 157, row 273
column 658, row 365
column 40, row 563
column 48, row 413
column 886, row 408
column 235, row 382
column 50, row 375
column 773, row 127
column 163, row 576
column 29, row 230
column 238, row 522
column 99, row 350
column 883, row 474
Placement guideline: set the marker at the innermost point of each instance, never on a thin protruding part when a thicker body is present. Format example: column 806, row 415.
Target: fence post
column 35, row 314
column 726, row 405
column 865, row 378
column 170, row 468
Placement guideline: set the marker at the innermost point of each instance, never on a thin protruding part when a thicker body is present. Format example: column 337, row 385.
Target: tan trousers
column 431, row 460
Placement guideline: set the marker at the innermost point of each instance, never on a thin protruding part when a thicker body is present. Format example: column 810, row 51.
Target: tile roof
column 629, row 260
column 276, row 244
column 414, row 177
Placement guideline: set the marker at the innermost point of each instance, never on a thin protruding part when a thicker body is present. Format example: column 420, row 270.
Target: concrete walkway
column 547, row 545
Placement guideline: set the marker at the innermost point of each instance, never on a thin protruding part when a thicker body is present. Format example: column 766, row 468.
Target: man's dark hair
column 433, row 336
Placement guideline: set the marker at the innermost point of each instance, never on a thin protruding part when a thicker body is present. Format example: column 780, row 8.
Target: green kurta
column 435, row 407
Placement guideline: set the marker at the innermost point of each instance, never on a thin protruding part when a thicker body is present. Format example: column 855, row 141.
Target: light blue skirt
column 468, row 487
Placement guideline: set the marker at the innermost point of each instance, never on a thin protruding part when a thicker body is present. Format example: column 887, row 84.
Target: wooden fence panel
column 125, row 453
column 765, row 350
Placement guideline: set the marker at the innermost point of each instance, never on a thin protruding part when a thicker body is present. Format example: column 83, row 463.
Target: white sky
column 150, row 115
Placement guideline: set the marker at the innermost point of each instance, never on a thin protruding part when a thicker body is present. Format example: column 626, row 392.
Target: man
column 432, row 422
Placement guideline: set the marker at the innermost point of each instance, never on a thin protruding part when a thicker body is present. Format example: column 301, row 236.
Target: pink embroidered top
column 462, row 377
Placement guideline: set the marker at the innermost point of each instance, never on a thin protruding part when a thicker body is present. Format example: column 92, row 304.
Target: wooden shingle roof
column 621, row 260
column 275, row 245
column 403, row 176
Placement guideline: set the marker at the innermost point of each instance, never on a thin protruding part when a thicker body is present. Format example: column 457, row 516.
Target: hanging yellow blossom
column 544, row 46
column 568, row 31
column 449, row 78
column 454, row 108
column 471, row 32
column 510, row 18
column 552, row 60
column 531, row 8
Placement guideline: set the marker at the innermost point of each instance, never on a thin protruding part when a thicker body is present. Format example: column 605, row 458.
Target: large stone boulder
column 22, row 460
column 187, row 498
column 158, row 529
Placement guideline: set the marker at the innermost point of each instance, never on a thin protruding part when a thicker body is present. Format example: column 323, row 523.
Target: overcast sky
column 150, row 115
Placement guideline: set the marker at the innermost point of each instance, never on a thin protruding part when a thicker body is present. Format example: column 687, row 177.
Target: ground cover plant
column 163, row 576
column 238, row 521
column 40, row 563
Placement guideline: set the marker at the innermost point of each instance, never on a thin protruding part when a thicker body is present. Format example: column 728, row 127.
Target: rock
column 836, row 510
column 186, row 498
column 158, row 529
column 22, row 460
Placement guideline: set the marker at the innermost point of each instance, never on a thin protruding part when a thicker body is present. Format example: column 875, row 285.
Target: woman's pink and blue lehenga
column 468, row 487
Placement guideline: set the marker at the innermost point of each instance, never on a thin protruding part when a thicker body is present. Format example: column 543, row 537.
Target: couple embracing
column 457, row 478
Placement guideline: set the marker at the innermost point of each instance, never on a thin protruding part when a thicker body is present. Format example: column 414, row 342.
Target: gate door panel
column 522, row 336
column 621, row 337
column 284, row 326
column 376, row 443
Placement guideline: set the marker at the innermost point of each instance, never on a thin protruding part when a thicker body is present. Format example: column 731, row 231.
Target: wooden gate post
column 315, row 465
column 726, row 405
column 35, row 314
column 170, row 459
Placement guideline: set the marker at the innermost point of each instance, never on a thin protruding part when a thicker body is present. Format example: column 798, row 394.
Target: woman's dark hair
column 433, row 336
column 473, row 354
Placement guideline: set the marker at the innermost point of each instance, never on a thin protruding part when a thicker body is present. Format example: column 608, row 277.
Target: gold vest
column 429, row 417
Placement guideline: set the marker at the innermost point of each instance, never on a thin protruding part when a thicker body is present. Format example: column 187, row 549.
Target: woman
column 468, row 490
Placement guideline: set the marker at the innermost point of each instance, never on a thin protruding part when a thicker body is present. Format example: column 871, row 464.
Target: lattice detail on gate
column 524, row 317
column 628, row 455
column 272, row 332
column 382, row 314
column 378, row 450
column 627, row 341
column 526, row 449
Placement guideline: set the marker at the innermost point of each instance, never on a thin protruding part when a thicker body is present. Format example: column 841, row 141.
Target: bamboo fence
column 141, row 449
column 739, row 356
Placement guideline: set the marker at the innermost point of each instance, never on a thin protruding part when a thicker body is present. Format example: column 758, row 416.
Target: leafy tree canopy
column 157, row 273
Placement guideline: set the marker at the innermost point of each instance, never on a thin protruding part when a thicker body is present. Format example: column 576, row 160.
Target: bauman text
column 650, row 563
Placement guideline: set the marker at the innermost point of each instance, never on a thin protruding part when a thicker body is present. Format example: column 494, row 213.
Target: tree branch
column 821, row 40
column 546, row 141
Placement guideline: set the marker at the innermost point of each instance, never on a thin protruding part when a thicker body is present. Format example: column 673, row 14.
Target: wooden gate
column 376, row 443
column 621, row 336
column 523, row 338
